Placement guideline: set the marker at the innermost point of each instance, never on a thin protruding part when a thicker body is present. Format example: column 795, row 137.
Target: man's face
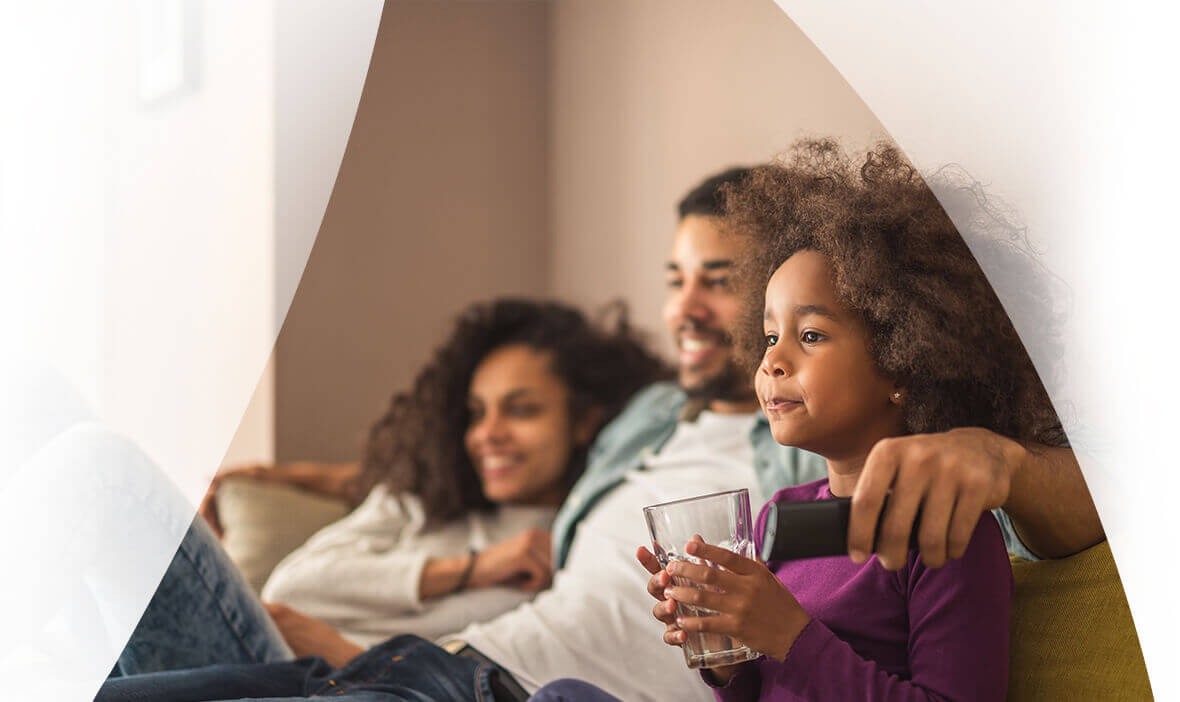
column 702, row 308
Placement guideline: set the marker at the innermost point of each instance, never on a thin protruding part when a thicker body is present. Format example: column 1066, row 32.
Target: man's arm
column 953, row 477
column 1050, row 505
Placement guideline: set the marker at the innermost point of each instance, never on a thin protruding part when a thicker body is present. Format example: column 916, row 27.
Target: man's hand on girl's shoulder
column 951, row 477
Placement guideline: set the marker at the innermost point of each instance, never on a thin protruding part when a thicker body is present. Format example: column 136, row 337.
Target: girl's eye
column 771, row 339
column 811, row 337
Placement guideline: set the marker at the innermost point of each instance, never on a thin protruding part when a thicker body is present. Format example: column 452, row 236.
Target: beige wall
column 441, row 199
column 648, row 98
column 531, row 147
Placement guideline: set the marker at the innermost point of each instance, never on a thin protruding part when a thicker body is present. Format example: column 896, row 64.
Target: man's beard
column 730, row 384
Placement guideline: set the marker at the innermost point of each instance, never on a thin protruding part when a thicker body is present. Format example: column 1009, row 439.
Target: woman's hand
column 328, row 479
column 752, row 605
column 308, row 636
column 524, row 561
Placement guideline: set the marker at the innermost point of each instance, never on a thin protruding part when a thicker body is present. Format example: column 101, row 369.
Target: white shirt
column 595, row 622
column 361, row 573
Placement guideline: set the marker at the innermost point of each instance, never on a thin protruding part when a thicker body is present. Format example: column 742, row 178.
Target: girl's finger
column 665, row 612
column 715, row 601
column 705, row 575
column 673, row 636
column 648, row 560
column 721, row 556
column 657, row 583
column 718, row 623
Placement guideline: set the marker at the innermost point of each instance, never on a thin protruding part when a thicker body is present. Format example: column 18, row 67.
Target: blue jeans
column 570, row 690
column 202, row 613
column 403, row 668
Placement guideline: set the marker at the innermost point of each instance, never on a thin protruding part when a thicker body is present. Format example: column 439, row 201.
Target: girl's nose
column 774, row 364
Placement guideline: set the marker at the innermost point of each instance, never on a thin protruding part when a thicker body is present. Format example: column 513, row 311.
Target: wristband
column 466, row 576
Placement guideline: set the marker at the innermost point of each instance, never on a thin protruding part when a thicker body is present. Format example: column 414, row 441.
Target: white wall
column 647, row 99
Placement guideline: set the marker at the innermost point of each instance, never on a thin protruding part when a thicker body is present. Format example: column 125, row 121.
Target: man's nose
column 692, row 303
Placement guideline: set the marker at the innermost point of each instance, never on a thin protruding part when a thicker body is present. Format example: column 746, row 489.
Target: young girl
column 876, row 322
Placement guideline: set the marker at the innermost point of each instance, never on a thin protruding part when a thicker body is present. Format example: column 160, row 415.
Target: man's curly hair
column 418, row 445
column 935, row 325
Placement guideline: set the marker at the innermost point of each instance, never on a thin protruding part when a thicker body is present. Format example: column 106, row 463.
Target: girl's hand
column 753, row 606
column 657, row 584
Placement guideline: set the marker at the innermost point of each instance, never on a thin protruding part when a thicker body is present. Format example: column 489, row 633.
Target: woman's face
column 521, row 435
column 817, row 383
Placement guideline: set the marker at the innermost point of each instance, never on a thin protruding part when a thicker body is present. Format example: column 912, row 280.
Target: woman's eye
column 771, row 339
column 719, row 283
column 521, row 411
column 675, row 283
column 811, row 337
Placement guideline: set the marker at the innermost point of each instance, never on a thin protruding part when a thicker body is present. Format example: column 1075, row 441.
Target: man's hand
column 952, row 477
column 524, row 561
column 308, row 636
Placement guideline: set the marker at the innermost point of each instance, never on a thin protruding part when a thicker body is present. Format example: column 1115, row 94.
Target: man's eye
column 771, row 339
column 720, row 283
column 811, row 337
column 675, row 283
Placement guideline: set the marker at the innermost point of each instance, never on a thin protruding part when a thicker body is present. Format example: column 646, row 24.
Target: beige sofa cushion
column 263, row 521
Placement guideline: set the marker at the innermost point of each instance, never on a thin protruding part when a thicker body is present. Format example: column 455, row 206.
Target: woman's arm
column 327, row 479
column 523, row 561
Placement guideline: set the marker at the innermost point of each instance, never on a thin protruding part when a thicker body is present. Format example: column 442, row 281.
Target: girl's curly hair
column 935, row 325
column 418, row 445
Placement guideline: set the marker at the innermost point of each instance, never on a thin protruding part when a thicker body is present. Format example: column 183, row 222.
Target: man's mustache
column 721, row 336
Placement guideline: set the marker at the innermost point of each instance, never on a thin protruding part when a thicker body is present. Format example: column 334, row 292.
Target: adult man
column 704, row 434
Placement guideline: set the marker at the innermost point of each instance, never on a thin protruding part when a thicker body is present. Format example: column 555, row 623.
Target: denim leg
column 570, row 690
column 203, row 613
column 411, row 669
column 218, row 682
column 406, row 668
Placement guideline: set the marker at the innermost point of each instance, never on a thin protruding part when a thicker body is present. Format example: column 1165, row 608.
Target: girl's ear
column 586, row 426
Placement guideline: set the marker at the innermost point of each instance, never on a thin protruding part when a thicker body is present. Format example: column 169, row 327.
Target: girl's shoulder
column 807, row 492
column 984, row 561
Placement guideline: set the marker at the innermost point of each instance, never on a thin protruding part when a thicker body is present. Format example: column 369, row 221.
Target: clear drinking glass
column 721, row 519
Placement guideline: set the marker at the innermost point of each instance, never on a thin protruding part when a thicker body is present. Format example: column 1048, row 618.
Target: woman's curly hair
column 418, row 445
column 934, row 323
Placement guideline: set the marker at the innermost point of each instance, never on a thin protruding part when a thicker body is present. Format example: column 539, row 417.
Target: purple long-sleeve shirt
column 916, row 634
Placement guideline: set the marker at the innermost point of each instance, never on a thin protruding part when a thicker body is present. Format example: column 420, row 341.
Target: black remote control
column 797, row 530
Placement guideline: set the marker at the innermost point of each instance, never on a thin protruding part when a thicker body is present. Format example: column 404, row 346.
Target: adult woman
column 463, row 475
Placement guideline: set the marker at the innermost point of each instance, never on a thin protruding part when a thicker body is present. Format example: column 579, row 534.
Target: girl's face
column 520, row 434
column 817, row 384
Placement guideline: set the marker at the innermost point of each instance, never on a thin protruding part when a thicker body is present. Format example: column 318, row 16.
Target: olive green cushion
column 263, row 521
column 1072, row 634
